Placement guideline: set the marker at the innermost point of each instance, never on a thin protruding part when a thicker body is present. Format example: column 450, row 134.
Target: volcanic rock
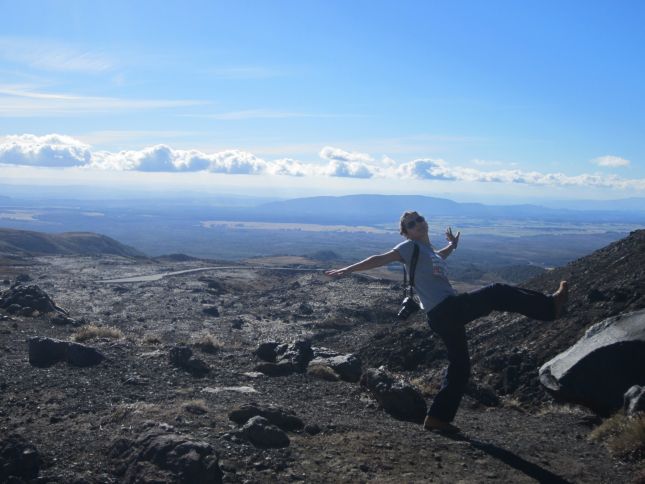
column 260, row 432
column 211, row 311
column 602, row 365
column 283, row 368
column 182, row 357
column 299, row 353
column 285, row 419
column 267, row 351
column 399, row 399
column 19, row 460
column 47, row 351
column 157, row 456
column 348, row 367
column 634, row 400
column 31, row 296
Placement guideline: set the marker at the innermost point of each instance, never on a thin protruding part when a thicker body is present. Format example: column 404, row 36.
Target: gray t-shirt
column 431, row 275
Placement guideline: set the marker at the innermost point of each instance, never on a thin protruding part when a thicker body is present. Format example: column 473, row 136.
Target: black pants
column 449, row 318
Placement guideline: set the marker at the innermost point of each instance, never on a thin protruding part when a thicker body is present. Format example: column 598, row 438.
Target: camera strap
column 413, row 267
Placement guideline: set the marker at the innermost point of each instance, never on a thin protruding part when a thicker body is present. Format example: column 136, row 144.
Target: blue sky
column 464, row 99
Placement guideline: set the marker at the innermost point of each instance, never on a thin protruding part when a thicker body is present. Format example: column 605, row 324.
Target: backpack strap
column 413, row 265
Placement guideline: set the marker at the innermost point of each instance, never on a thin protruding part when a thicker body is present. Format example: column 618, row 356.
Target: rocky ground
column 139, row 417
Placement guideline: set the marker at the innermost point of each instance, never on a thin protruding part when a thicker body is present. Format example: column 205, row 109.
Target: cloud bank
column 60, row 151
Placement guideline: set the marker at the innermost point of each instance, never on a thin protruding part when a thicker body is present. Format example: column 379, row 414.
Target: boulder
column 82, row 355
column 299, row 353
column 284, row 368
column 267, row 351
column 160, row 456
column 182, row 357
column 29, row 298
column 348, row 367
column 634, row 400
column 285, row 419
column 260, row 432
column 211, row 311
column 601, row 366
column 19, row 460
column 399, row 399
column 47, row 351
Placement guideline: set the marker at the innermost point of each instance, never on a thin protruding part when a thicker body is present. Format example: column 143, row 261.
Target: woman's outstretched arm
column 366, row 264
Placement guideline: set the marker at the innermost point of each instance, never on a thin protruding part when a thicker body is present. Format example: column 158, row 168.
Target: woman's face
column 416, row 226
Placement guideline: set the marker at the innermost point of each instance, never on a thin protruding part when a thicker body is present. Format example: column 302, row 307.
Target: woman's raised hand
column 452, row 239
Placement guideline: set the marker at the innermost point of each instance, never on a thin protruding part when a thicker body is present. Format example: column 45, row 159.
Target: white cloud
column 336, row 154
column 59, row 151
column 425, row 169
column 51, row 55
column 610, row 161
column 348, row 169
column 52, row 150
column 27, row 101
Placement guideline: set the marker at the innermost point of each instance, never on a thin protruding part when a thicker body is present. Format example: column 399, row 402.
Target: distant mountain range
column 375, row 209
column 24, row 242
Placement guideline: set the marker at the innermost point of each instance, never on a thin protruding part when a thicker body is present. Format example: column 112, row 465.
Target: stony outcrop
column 634, row 400
column 347, row 367
column 48, row 351
column 399, row 399
column 182, row 357
column 262, row 433
column 602, row 365
column 160, row 456
column 25, row 300
column 19, row 460
column 285, row 419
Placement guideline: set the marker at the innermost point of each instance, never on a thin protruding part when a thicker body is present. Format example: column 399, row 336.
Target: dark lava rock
column 182, row 357
column 260, row 432
column 23, row 278
column 62, row 320
column 211, row 311
column 399, row 399
column 312, row 429
column 348, row 367
column 285, row 419
column 19, row 460
column 31, row 296
column 284, row 368
column 157, row 456
column 267, row 351
column 601, row 366
column 299, row 353
column 402, row 349
column 634, row 400
column 47, row 351
column 82, row 355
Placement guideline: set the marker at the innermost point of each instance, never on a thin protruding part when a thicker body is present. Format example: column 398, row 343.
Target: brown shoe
column 435, row 425
column 560, row 298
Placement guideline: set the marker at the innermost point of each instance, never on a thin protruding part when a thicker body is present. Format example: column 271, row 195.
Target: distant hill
column 24, row 242
column 378, row 209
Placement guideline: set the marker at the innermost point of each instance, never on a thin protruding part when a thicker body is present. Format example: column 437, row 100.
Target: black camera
column 408, row 306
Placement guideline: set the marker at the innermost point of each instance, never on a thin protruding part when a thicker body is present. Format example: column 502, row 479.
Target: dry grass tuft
column 151, row 339
column 323, row 372
column 125, row 410
column 196, row 407
column 92, row 331
column 208, row 344
column 623, row 435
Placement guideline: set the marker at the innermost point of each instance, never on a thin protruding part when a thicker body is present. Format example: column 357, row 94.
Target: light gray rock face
column 634, row 400
column 348, row 367
column 601, row 366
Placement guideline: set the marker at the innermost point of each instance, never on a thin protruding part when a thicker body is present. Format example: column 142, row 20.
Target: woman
column 449, row 312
